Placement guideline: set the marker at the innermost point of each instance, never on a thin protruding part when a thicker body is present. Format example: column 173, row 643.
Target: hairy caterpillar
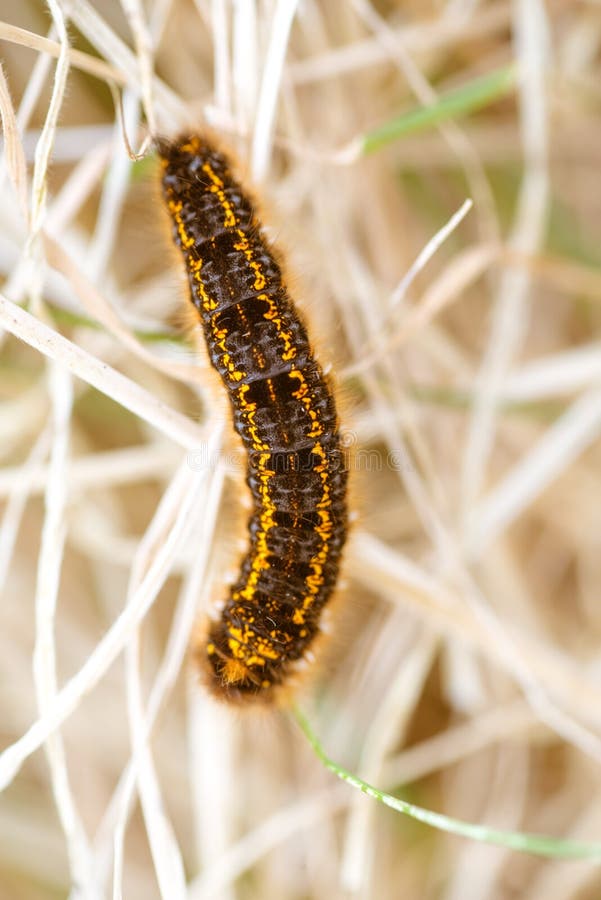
column 284, row 411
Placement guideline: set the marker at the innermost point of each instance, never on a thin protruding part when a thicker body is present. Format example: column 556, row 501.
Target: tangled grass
column 431, row 169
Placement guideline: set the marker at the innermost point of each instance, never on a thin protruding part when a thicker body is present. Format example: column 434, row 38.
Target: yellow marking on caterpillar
column 314, row 581
column 303, row 394
column 193, row 146
column 260, row 560
column 244, row 246
column 249, row 411
column 234, row 671
column 217, row 187
column 273, row 315
column 249, row 648
column 175, row 208
column 220, row 337
column 271, row 391
column 194, row 264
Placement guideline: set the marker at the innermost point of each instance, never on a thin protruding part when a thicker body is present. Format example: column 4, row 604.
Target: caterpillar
column 284, row 411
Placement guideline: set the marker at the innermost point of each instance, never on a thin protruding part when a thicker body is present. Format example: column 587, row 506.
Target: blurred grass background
column 462, row 671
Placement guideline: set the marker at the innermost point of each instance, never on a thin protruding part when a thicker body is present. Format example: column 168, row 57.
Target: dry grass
column 464, row 669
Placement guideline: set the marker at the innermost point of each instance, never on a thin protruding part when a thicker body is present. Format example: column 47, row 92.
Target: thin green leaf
column 475, row 95
column 538, row 844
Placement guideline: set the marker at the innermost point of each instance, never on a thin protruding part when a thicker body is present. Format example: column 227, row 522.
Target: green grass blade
column 538, row 844
column 475, row 95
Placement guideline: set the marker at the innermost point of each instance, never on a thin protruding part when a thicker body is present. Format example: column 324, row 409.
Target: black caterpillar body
column 284, row 411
